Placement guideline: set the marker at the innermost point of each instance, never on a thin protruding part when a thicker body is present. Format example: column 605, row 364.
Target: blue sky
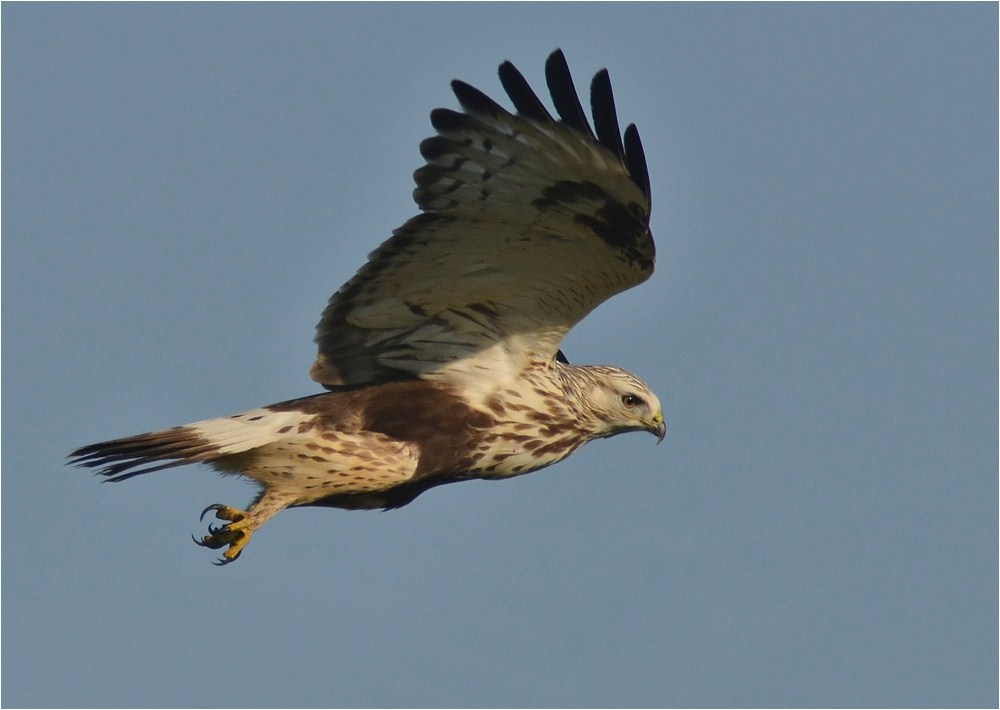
column 185, row 185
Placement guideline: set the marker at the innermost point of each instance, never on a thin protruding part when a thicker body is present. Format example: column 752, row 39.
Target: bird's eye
column 630, row 400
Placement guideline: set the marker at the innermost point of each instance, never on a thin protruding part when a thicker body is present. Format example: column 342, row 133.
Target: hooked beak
column 658, row 427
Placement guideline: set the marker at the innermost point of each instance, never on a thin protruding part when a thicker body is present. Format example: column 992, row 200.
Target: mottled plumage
column 441, row 355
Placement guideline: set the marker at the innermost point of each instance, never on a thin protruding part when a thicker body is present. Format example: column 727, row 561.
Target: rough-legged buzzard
column 441, row 355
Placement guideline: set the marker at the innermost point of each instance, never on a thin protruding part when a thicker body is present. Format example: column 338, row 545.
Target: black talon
column 215, row 506
column 210, row 542
column 225, row 561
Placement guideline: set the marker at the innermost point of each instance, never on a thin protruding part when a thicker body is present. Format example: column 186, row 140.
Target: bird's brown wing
column 527, row 224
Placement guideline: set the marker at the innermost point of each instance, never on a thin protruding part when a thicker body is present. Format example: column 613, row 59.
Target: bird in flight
column 441, row 356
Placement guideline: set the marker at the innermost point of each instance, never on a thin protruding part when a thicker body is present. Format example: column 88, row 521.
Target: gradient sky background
column 185, row 185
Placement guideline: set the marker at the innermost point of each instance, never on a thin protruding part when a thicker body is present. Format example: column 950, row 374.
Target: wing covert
column 527, row 224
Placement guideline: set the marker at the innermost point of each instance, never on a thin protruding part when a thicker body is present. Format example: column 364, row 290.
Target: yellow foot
column 236, row 533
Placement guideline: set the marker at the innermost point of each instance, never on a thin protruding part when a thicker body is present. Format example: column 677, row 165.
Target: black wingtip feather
column 606, row 129
column 525, row 100
column 475, row 101
column 635, row 161
column 444, row 120
column 602, row 104
column 564, row 96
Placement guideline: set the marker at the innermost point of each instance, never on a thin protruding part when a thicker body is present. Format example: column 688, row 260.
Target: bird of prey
column 441, row 355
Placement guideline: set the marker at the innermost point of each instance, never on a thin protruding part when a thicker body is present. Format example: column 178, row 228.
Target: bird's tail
column 205, row 441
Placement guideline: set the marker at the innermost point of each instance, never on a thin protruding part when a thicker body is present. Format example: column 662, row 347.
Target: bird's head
column 623, row 403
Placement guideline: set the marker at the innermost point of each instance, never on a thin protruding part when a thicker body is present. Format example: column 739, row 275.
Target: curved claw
column 223, row 561
column 215, row 506
column 210, row 542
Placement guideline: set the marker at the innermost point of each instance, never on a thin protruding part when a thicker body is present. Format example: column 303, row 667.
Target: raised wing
column 528, row 224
